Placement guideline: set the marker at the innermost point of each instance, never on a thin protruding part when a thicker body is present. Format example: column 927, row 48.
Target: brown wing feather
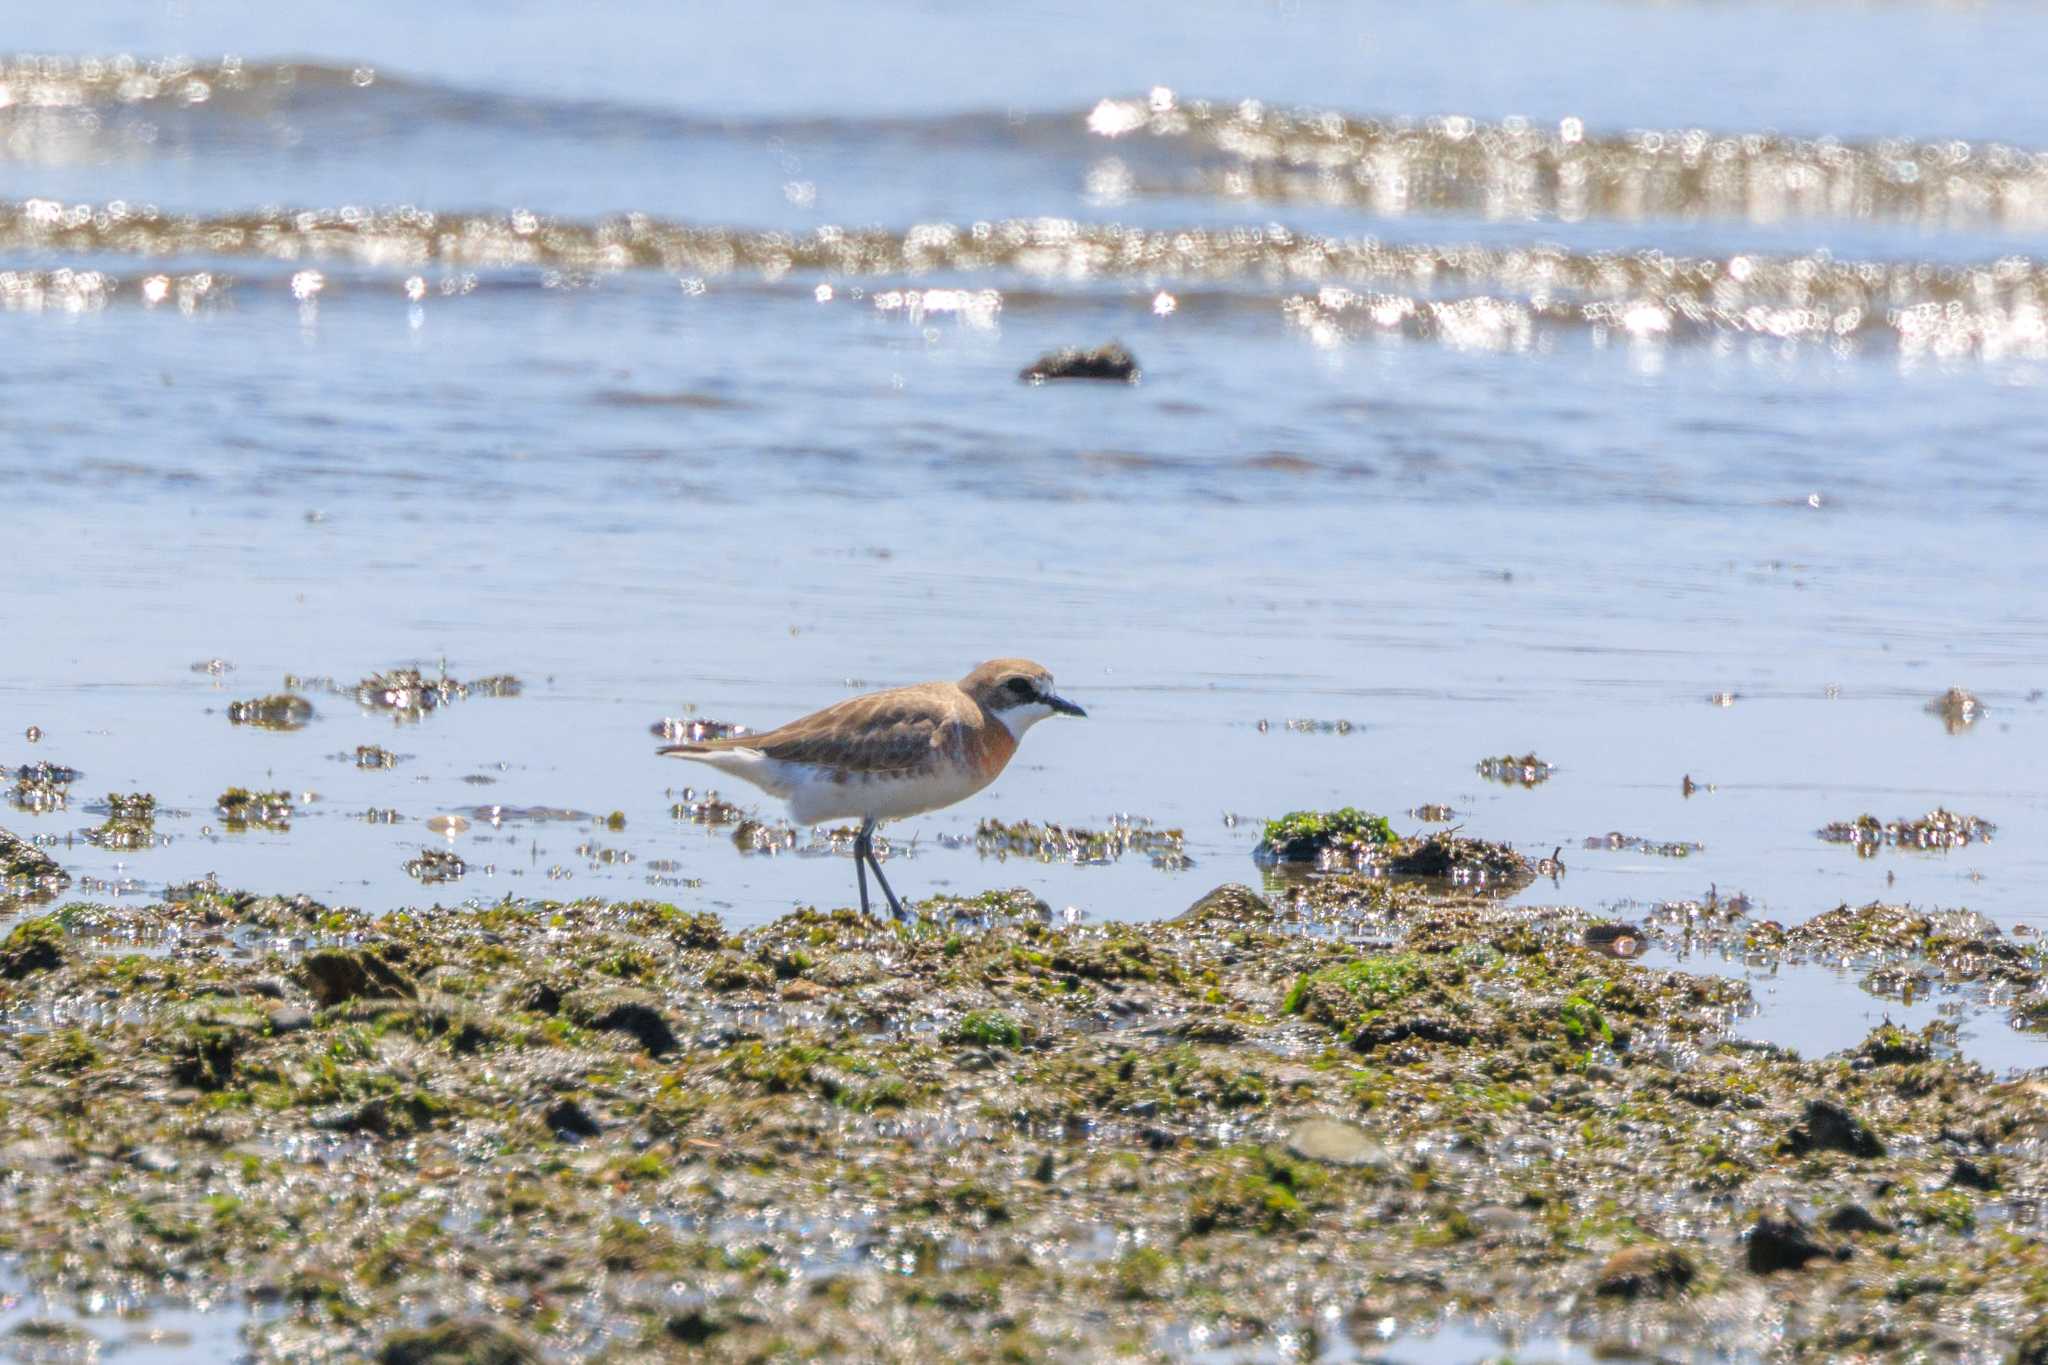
column 883, row 732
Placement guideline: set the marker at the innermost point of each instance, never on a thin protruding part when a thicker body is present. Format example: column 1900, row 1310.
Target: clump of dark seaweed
column 1049, row 843
column 1434, row 813
column 130, row 822
column 676, row 730
column 1305, row 726
column 1660, row 848
column 240, row 808
column 279, row 711
column 1510, row 771
column 1939, row 829
column 1465, row 862
column 1958, row 709
column 26, row 868
column 1307, row 836
column 1113, row 361
column 41, row 787
column 371, row 757
column 407, row 694
column 433, row 865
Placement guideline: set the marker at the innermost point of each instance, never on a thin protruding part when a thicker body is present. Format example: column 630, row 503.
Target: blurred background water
column 1657, row 388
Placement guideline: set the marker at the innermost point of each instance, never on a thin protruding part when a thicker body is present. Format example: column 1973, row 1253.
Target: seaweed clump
column 407, row 694
column 1959, row 710
column 1074, row 844
column 279, row 711
column 1938, row 830
column 241, row 808
column 1510, row 771
column 40, row 787
column 433, row 865
column 1112, row 361
column 130, row 822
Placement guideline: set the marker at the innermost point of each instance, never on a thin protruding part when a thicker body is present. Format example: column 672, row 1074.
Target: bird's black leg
column 867, row 831
column 860, row 861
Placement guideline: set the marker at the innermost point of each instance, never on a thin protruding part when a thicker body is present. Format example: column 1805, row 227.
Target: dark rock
column 379, row 1117
column 1853, row 1218
column 1968, row 1173
column 1782, row 1241
column 696, row 1326
column 1645, row 1272
column 540, row 997
column 205, row 1058
column 334, row 975
column 2032, row 1346
column 1828, row 1127
column 458, row 1341
column 1617, row 940
column 570, row 1120
column 1112, row 362
column 613, row 1012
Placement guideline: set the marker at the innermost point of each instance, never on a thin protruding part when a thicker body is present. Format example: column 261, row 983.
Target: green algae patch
column 988, row 1028
column 1305, row 836
column 1265, row 1192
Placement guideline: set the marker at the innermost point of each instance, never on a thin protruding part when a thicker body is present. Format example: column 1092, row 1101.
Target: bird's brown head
column 1017, row 692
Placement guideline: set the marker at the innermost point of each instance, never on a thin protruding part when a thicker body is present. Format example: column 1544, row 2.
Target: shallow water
column 1521, row 395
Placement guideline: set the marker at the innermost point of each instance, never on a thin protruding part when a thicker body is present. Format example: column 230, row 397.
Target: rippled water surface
column 1659, row 389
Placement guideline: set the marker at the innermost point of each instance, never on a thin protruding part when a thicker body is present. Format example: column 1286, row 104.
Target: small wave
column 1520, row 169
column 1159, row 145
column 31, row 82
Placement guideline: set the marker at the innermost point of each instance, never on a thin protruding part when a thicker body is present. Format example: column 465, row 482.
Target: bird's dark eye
column 1020, row 686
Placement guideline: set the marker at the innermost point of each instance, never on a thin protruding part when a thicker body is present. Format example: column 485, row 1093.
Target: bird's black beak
column 1062, row 705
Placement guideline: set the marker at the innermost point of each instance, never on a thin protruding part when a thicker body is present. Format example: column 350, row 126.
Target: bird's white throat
column 1018, row 719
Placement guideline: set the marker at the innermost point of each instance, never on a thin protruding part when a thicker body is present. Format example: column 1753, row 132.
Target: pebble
column 290, row 1019
column 1335, row 1143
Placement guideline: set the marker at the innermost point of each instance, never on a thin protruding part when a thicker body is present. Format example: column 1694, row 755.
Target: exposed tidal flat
column 1358, row 1116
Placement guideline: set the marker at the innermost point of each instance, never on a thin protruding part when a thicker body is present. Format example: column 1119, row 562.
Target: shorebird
column 890, row 754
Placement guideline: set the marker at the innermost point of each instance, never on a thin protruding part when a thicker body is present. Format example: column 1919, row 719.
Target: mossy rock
column 22, row 863
column 1229, row 904
column 34, row 945
column 1304, row 836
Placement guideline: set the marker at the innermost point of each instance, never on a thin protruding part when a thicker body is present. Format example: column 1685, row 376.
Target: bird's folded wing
column 886, row 733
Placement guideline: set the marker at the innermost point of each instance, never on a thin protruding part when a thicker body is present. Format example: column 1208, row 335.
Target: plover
column 890, row 754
